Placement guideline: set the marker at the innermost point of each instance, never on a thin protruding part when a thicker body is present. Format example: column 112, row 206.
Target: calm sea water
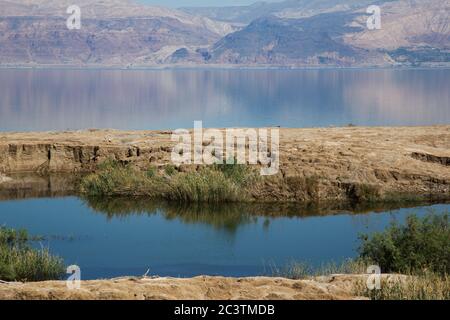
column 37, row 100
column 109, row 239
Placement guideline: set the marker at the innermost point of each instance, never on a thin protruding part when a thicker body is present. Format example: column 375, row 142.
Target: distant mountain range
column 283, row 9
column 291, row 33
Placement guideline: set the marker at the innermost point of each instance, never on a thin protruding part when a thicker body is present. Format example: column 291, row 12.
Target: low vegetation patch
column 300, row 270
column 20, row 262
column 363, row 192
column 425, row 286
column 217, row 183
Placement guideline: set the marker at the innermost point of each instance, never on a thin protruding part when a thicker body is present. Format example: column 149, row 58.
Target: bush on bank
column 421, row 244
column 20, row 262
column 418, row 251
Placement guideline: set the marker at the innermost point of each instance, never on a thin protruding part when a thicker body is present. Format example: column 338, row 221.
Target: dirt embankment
column 353, row 163
column 201, row 288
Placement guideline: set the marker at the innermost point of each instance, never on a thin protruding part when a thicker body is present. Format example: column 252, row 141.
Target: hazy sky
column 199, row 3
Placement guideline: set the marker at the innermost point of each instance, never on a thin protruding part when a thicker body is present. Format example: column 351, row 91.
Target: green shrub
column 20, row 262
column 363, row 192
column 418, row 245
column 170, row 170
column 151, row 172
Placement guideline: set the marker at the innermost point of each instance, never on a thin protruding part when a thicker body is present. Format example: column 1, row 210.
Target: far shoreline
column 217, row 67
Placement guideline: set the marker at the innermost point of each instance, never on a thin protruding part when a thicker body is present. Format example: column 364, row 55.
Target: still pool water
column 109, row 239
column 60, row 99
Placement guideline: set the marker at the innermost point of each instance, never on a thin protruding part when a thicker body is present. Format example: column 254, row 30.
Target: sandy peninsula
column 316, row 164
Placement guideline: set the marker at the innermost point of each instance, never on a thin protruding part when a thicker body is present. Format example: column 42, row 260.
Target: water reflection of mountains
column 170, row 99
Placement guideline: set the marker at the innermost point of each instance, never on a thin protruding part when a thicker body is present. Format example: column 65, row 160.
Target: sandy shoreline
column 317, row 164
column 335, row 287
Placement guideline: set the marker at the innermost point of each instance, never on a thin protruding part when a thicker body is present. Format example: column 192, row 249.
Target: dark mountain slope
column 273, row 40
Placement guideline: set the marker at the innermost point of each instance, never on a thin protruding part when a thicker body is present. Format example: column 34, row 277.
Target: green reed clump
column 207, row 185
column 242, row 175
column 421, row 244
column 20, row 262
column 113, row 178
column 216, row 183
column 11, row 236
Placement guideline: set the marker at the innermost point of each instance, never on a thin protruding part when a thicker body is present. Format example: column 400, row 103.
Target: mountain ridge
column 298, row 33
column 412, row 33
column 282, row 9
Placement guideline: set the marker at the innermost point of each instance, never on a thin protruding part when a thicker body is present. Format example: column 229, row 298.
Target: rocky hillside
column 288, row 33
column 272, row 40
column 111, row 9
column 413, row 32
column 113, row 32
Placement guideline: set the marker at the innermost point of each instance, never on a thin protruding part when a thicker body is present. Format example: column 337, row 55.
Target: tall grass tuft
column 20, row 262
column 113, row 178
column 208, row 185
column 425, row 286
column 301, row 270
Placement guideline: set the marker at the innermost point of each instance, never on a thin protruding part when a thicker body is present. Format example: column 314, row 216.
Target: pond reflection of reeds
column 227, row 216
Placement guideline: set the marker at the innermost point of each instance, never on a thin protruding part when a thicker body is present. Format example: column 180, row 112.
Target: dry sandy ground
column 198, row 288
column 4, row 179
column 315, row 164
